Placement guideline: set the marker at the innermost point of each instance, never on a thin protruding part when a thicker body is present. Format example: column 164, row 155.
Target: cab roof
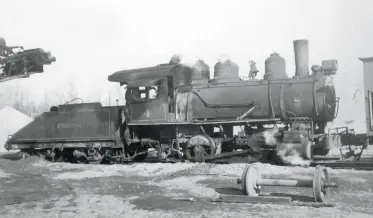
column 149, row 75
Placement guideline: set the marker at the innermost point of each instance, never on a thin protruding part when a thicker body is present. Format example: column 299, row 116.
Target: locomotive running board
column 207, row 122
column 44, row 144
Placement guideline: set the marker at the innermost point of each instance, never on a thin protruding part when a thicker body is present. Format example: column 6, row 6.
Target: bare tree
column 63, row 96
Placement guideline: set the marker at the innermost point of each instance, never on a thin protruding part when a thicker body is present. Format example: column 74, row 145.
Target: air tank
column 275, row 66
column 226, row 69
column 201, row 71
column 301, row 57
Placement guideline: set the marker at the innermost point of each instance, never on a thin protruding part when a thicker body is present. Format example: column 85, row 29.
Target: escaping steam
column 289, row 153
column 270, row 136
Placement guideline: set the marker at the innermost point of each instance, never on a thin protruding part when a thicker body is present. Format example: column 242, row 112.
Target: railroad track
column 345, row 165
column 366, row 165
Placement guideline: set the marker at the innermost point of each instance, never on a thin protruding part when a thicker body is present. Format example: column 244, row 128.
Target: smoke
column 289, row 153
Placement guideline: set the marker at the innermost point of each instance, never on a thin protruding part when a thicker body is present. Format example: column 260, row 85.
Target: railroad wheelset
column 252, row 182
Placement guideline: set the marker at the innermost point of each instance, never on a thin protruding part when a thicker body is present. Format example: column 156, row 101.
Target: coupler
column 252, row 181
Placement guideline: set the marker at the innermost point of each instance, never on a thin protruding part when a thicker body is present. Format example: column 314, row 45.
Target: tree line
column 21, row 99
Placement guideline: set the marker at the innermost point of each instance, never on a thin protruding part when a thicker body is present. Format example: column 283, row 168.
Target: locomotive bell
column 253, row 68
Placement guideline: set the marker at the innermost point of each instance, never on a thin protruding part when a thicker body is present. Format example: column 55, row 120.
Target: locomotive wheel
column 250, row 175
column 199, row 147
column 320, row 178
column 199, row 153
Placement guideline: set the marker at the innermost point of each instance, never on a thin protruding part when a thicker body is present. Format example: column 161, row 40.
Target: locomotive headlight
column 330, row 66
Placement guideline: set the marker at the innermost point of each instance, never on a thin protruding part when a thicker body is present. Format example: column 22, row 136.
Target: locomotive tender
column 176, row 109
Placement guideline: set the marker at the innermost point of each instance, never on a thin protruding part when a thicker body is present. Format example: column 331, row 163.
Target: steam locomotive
column 177, row 112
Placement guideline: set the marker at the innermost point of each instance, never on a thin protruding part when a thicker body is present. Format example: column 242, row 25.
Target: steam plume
column 287, row 152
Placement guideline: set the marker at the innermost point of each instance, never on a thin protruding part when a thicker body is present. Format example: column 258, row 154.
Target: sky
column 92, row 39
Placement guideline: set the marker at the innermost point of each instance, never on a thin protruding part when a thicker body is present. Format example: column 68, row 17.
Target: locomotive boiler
column 180, row 113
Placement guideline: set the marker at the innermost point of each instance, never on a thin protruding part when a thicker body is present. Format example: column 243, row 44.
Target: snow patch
column 94, row 171
column 3, row 174
column 58, row 166
column 157, row 169
column 237, row 169
column 86, row 174
column 190, row 185
column 11, row 121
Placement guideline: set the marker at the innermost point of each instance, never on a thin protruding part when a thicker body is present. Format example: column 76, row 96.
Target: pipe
column 301, row 57
column 247, row 113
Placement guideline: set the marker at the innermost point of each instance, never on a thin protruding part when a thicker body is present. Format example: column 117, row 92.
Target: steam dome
column 275, row 66
column 200, row 72
column 175, row 60
column 227, row 69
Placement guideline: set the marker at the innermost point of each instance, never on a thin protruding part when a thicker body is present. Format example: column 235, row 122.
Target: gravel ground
column 35, row 188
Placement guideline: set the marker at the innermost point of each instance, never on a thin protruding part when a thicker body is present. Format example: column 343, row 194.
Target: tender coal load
column 201, row 72
column 275, row 67
column 226, row 71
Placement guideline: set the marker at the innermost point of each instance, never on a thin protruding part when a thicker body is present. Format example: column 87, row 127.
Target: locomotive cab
column 151, row 102
column 150, row 94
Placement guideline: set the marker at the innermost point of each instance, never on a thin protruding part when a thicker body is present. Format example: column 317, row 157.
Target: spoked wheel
column 321, row 177
column 199, row 147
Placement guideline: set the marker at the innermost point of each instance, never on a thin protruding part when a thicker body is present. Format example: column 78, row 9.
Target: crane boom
column 21, row 64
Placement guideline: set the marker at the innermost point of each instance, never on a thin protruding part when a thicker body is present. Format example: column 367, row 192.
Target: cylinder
column 301, row 57
column 275, row 67
column 287, row 183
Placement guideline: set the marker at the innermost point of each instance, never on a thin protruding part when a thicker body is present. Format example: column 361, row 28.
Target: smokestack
column 301, row 57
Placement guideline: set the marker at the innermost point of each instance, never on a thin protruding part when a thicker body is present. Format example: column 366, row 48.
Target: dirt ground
column 35, row 188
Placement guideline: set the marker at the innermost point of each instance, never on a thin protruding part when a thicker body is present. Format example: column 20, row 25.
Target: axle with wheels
column 252, row 181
